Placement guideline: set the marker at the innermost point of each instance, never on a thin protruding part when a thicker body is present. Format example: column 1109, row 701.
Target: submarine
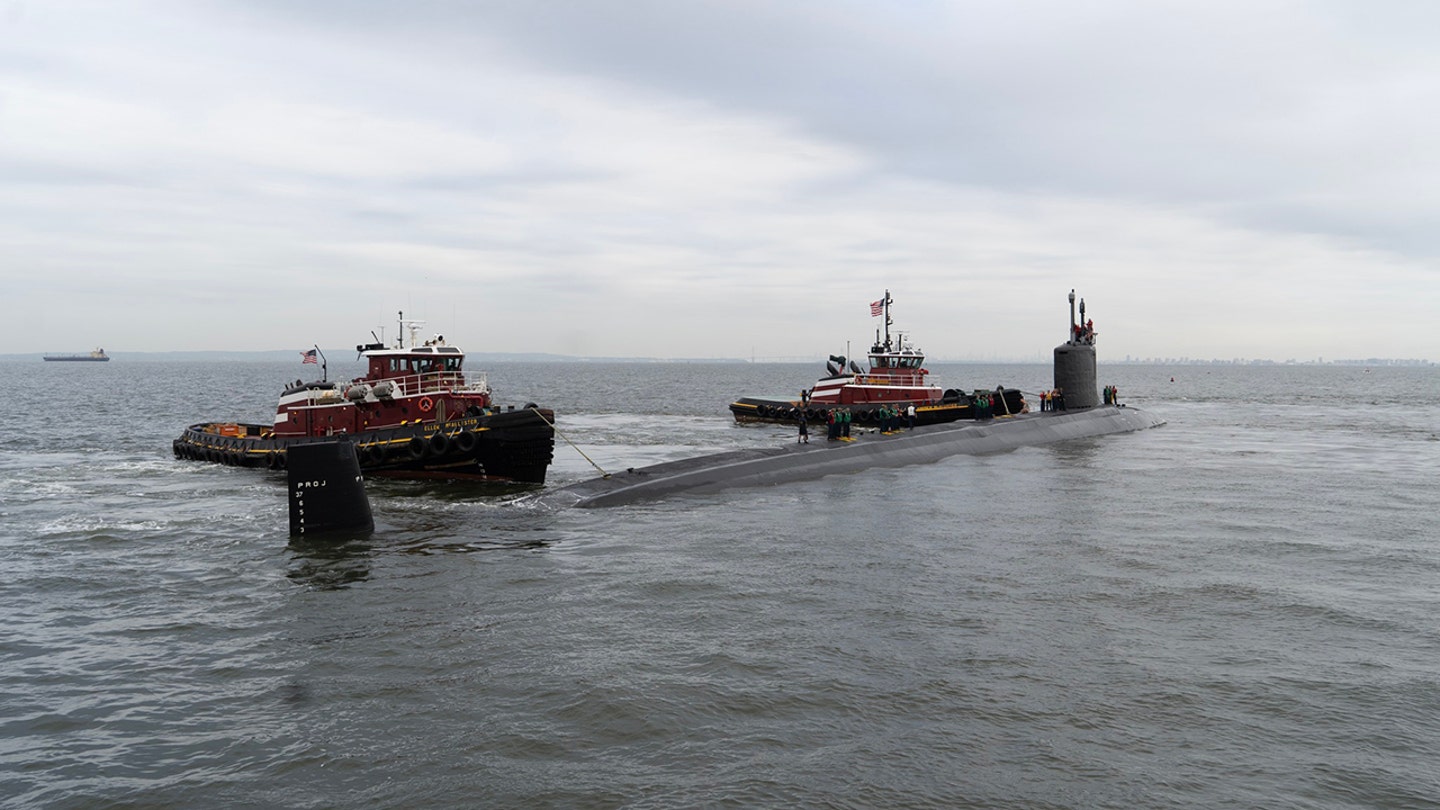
column 1075, row 410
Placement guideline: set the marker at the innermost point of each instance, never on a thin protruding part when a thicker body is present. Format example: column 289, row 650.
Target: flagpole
column 886, row 304
column 324, row 365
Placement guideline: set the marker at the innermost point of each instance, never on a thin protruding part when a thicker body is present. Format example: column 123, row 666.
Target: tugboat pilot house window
column 882, row 361
column 419, row 365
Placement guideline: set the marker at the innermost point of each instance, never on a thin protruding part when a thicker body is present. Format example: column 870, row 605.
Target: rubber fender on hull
column 466, row 441
column 439, row 444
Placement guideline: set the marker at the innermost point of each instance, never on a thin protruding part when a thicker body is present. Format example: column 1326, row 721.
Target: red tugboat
column 897, row 380
column 413, row 414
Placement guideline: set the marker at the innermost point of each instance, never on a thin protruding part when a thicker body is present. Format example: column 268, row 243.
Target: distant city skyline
column 722, row 179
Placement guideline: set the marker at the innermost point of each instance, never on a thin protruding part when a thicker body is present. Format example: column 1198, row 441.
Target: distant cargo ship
column 96, row 356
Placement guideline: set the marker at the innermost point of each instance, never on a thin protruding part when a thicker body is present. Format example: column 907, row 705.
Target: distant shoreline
column 481, row 358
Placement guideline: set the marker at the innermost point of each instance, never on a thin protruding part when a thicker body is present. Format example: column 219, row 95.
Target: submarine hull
column 791, row 462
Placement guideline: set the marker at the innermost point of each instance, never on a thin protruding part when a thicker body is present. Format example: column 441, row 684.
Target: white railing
column 891, row 379
column 435, row 382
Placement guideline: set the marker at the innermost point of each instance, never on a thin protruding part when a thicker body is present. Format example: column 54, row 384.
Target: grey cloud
column 1247, row 111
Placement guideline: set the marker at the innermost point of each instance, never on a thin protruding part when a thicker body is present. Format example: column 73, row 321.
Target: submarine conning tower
column 1075, row 362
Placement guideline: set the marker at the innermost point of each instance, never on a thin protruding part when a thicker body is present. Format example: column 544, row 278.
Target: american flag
column 877, row 308
column 308, row 356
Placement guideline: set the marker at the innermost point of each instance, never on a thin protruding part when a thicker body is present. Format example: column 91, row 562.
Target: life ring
column 426, row 403
column 466, row 441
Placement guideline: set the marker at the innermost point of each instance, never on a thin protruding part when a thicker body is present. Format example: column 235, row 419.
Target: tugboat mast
column 885, row 309
column 412, row 325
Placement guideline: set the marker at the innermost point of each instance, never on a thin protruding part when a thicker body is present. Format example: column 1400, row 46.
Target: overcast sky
column 667, row 178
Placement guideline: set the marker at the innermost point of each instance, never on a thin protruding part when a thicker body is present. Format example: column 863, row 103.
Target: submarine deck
column 821, row 457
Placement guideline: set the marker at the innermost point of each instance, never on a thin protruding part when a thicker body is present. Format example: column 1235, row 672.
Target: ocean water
column 1238, row 609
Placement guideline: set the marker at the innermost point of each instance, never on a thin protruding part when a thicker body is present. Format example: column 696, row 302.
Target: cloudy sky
column 736, row 178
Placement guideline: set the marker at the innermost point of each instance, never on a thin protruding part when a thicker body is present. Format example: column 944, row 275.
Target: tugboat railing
column 892, row 379
column 435, row 382
column 408, row 385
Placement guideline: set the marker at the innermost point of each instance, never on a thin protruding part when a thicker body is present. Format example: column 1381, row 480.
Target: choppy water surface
column 1238, row 609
